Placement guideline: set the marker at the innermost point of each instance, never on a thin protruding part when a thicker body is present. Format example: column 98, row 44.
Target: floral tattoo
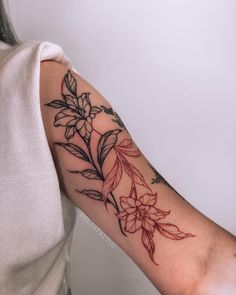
column 135, row 211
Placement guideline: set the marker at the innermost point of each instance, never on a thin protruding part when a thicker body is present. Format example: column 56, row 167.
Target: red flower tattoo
column 140, row 213
column 137, row 211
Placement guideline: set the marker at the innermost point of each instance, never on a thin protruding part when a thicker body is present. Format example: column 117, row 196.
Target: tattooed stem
column 93, row 163
column 97, row 132
column 135, row 191
column 118, row 211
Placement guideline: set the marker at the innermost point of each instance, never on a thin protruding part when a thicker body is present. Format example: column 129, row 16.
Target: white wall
column 169, row 69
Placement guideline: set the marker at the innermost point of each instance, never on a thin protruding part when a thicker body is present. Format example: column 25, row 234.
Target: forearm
column 105, row 174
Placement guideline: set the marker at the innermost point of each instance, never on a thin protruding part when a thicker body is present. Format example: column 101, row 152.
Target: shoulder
column 51, row 77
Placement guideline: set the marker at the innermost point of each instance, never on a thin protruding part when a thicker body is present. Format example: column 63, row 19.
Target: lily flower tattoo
column 135, row 211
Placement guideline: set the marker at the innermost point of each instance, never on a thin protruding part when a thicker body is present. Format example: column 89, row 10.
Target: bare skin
column 104, row 174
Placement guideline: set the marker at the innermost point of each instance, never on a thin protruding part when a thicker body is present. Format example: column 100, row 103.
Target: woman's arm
column 105, row 174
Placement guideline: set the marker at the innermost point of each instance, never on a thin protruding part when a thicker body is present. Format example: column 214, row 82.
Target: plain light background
column 169, row 69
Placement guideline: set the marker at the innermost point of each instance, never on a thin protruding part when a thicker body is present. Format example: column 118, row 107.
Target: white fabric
column 36, row 218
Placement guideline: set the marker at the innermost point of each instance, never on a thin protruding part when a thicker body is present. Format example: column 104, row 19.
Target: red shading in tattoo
column 136, row 211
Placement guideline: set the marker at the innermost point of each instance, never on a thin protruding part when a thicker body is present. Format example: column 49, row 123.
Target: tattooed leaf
column 69, row 132
column 112, row 180
column 108, row 111
column 132, row 153
column 126, row 146
column 74, row 150
column 90, row 174
column 71, row 83
column 94, row 110
column 64, row 117
column 87, row 173
column 93, row 194
column 139, row 179
column 126, row 143
column 74, row 171
column 84, row 100
column 119, row 121
column 72, row 102
column 106, row 143
column 134, row 174
column 171, row 231
column 57, row 104
column 147, row 239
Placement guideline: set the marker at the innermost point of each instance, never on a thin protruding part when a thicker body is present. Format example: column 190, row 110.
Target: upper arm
column 104, row 173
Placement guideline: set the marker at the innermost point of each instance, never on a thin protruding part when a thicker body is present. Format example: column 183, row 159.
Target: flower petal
column 122, row 215
column 148, row 199
column 87, row 109
column 128, row 204
column 156, row 214
column 89, row 120
column 80, row 124
column 72, row 101
column 95, row 110
column 133, row 225
column 82, row 131
column 88, row 127
column 83, row 102
column 72, row 122
column 63, row 117
column 149, row 224
column 70, row 132
column 132, row 216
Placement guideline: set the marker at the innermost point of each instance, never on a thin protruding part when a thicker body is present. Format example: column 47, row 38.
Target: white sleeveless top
column 36, row 218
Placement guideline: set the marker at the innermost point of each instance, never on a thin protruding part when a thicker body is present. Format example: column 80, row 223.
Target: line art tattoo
column 135, row 211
